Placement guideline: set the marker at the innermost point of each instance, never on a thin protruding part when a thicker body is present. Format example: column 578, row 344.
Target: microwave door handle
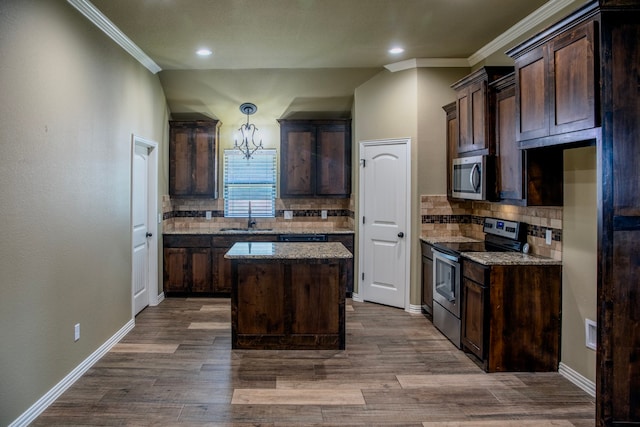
column 475, row 170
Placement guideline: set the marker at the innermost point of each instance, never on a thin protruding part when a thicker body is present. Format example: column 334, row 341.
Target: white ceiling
column 296, row 55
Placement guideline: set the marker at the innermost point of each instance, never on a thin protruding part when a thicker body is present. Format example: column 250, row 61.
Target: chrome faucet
column 251, row 223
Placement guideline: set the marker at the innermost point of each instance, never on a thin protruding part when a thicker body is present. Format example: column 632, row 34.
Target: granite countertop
column 448, row 239
column 509, row 258
column 217, row 230
column 288, row 250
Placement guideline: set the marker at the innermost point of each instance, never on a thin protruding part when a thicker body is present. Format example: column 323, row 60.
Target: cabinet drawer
column 474, row 271
column 186, row 241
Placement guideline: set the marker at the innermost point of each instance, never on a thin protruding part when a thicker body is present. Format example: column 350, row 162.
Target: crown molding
column 428, row 63
column 530, row 22
column 96, row 17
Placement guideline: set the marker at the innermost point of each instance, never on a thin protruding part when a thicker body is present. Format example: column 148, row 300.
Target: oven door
column 446, row 282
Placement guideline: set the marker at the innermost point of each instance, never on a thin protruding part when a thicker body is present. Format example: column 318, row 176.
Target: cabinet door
column 298, row 165
column 427, row 284
column 307, row 291
column 452, row 140
column 200, row 270
column 472, row 106
column 180, row 160
column 204, row 168
column 347, row 241
column 532, row 108
column 510, row 157
column 572, row 71
column 221, row 270
column 473, row 317
column 175, row 270
column 333, row 161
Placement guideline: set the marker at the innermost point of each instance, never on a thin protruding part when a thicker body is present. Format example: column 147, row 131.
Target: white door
column 140, row 229
column 384, row 221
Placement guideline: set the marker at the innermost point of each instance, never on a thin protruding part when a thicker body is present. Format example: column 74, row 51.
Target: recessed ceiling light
column 396, row 50
column 203, row 52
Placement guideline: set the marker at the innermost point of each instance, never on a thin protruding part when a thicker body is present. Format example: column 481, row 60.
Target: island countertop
column 288, row 250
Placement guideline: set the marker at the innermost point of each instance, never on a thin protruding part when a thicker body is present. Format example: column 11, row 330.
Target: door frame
column 408, row 233
column 152, row 222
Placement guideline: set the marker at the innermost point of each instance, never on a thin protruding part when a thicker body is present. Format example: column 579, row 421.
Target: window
column 251, row 181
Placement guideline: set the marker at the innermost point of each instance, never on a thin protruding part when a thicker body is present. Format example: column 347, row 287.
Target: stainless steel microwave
column 469, row 178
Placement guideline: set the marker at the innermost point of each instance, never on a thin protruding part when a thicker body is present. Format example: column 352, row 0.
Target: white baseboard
column 357, row 298
column 160, row 298
column 43, row 403
column 414, row 309
column 578, row 379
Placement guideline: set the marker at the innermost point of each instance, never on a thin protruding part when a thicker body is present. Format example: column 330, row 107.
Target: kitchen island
column 288, row 295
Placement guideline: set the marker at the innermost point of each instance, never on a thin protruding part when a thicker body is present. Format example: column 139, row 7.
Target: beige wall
column 71, row 100
column 409, row 104
column 579, row 254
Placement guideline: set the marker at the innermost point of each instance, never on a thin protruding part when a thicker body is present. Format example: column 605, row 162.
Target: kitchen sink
column 245, row 229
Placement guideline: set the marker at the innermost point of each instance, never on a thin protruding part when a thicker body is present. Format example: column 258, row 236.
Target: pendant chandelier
column 248, row 130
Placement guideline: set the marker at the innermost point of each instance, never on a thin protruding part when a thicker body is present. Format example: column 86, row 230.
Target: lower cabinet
column 187, row 264
column 511, row 316
column 427, row 278
column 194, row 265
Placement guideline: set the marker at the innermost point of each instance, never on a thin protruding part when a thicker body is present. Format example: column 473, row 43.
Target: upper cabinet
column 452, row 140
column 473, row 108
column 315, row 158
column 556, row 80
column 193, row 148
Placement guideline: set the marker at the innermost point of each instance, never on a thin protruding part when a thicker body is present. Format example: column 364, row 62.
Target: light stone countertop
column 288, row 250
column 239, row 231
column 492, row 258
column 509, row 258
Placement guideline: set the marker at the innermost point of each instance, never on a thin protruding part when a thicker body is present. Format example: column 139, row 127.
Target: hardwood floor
column 176, row 368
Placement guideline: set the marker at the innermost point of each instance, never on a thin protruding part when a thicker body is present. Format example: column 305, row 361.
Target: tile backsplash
column 441, row 217
column 307, row 213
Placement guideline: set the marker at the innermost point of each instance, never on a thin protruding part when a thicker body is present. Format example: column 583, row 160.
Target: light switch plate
column 547, row 238
column 207, row 214
column 323, row 213
column 288, row 214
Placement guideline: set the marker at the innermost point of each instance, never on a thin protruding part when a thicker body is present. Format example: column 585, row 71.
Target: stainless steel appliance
column 469, row 177
column 500, row 236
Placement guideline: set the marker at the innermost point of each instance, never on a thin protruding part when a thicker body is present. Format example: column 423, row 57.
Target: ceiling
column 296, row 55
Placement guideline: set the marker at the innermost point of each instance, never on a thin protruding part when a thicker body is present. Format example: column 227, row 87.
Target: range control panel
column 503, row 228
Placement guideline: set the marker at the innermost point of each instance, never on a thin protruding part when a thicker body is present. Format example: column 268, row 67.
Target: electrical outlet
column 288, row 214
column 207, row 215
column 591, row 333
column 547, row 237
column 323, row 213
column 76, row 332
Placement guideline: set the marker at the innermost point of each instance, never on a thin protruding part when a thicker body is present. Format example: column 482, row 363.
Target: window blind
column 250, row 181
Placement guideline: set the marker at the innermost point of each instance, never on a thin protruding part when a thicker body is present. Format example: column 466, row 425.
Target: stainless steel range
column 500, row 236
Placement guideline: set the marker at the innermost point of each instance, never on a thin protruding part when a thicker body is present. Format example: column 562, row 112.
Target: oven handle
column 443, row 255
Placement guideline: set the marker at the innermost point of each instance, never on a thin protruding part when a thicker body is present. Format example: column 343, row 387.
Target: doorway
column 385, row 221
column 144, row 239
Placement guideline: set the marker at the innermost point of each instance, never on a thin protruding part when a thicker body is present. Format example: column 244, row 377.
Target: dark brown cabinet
column 427, row 278
column 511, row 316
column 348, row 241
column 474, row 112
column 607, row 33
column 315, row 158
column 193, row 158
column 452, row 141
column 524, row 177
column 556, row 84
column 187, row 264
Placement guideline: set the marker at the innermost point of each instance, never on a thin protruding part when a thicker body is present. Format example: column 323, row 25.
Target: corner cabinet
column 315, row 158
column 556, row 83
column 524, row 177
column 511, row 316
column 193, row 158
column 473, row 109
column 452, row 141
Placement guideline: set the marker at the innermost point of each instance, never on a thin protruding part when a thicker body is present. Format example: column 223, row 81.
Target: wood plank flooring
column 177, row 368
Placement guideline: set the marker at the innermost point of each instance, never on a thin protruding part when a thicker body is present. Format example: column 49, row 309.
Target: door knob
column 401, row 234
column 149, row 234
